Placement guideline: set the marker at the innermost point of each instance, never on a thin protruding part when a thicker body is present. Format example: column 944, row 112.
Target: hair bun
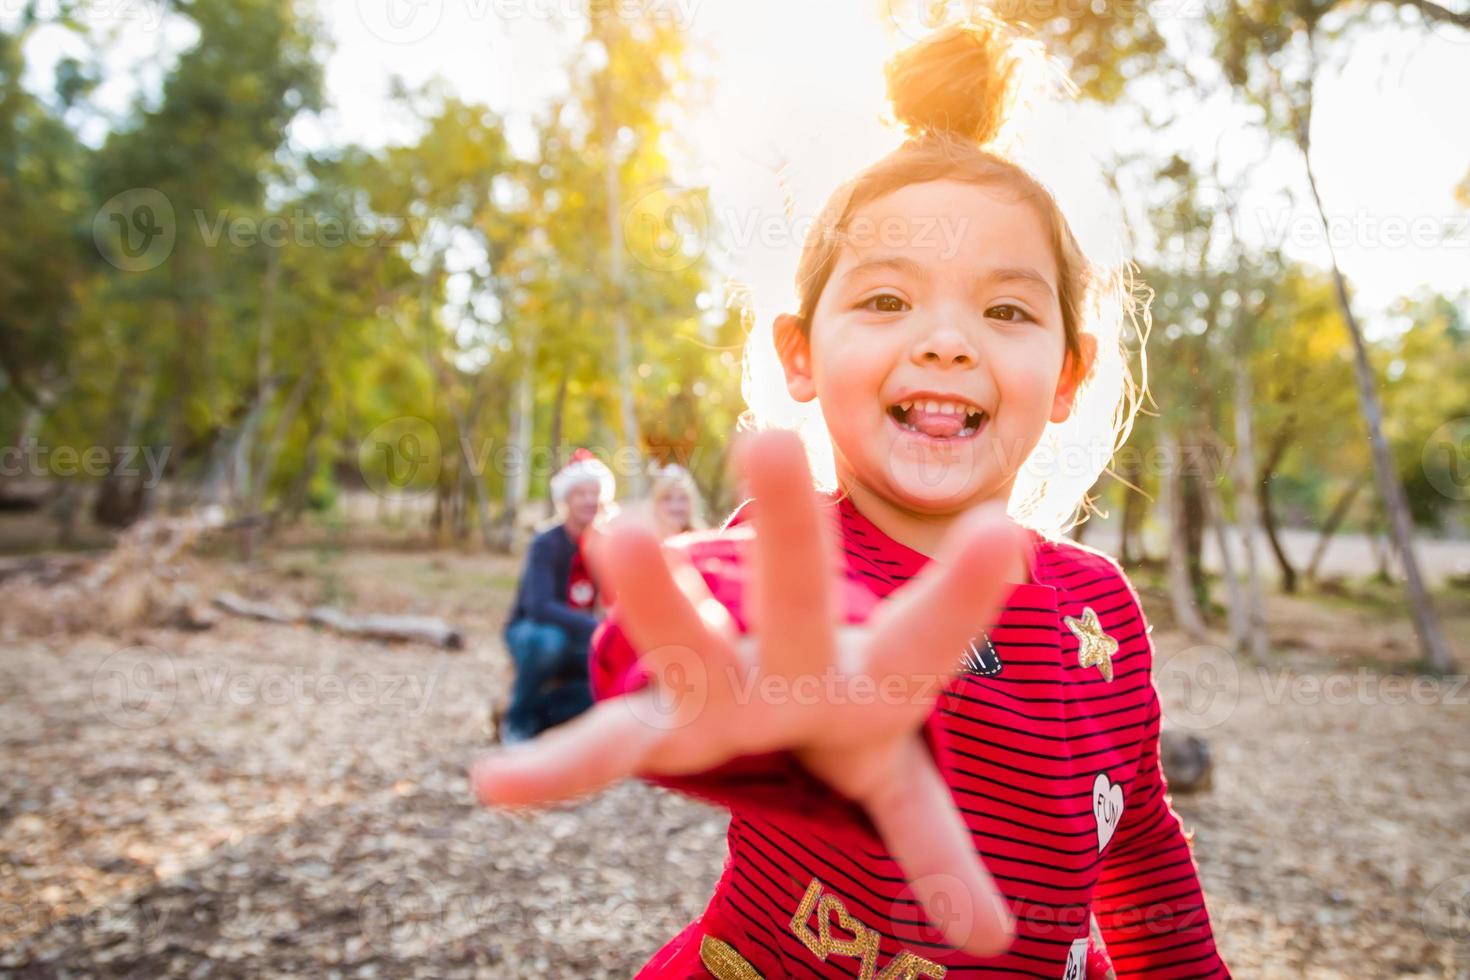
column 958, row 82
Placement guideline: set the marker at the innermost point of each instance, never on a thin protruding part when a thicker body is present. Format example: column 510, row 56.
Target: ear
column 795, row 351
column 1074, row 370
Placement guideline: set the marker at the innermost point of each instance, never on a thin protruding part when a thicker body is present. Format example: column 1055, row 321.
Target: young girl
column 931, row 771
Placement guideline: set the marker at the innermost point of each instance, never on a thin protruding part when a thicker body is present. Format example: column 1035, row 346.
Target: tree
column 1272, row 53
column 43, row 249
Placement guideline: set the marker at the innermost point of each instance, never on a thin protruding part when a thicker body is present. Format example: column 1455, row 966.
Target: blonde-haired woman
column 677, row 507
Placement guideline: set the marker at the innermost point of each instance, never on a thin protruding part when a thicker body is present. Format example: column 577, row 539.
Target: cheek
column 1032, row 370
column 849, row 370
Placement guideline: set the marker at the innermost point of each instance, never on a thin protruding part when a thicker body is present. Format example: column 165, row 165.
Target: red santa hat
column 583, row 468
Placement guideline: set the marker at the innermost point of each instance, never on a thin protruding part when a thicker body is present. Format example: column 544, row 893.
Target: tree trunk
column 268, row 453
column 1380, row 549
column 1426, row 623
column 523, row 430
column 1279, row 445
column 1181, row 595
column 618, row 262
column 1247, row 510
column 1239, row 614
column 122, row 500
column 1268, row 523
column 270, row 449
column 1192, row 496
column 298, row 496
column 64, row 513
column 249, row 484
column 558, row 418
column 1334, row 521
column 1133, row 508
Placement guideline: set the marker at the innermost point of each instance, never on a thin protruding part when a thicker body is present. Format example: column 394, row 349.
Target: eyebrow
column 894, row 263
column 1022, row 273
column 907, row 266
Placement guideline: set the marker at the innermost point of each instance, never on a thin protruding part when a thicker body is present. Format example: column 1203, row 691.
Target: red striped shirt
column 1038, row 756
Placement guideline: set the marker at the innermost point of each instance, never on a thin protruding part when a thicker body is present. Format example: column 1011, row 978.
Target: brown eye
column 886, row 303
column 1008, row 313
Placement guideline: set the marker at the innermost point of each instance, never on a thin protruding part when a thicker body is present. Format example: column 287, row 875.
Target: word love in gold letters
column 862, row 944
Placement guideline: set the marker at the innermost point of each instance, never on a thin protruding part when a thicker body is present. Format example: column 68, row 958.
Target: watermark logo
column 135, row 230
column 135, row 687
column 138, row 687
column 140, row 919
column 401, row 458
column 667, row 228
column 1205, row 207
column 400, row 21
column 948, row 910
column 404, row 911
column 1445, row 913
column 1206, row 680
column 1364, row 229
column 412, row 21
column 1446, row 459
column 108, row 14
column 917, row 19
column 678, row 690
column 33, row 458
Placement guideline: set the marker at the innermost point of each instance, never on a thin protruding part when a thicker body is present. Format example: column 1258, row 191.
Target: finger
column 924, row 831
column 663, row 604
column 792, row 560
column 921, row 632
column 605, row 744
column 696, row 591
column 594, row 546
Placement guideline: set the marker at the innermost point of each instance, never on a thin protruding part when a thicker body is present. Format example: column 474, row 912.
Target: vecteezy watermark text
column 33, row 458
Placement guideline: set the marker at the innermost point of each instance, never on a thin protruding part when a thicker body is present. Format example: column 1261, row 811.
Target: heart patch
column 1107, row 808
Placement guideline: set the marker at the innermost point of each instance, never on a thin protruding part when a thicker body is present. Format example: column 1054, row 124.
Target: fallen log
column 42, row 570
column 413, row 629
column 250, row 609
column 418, row 629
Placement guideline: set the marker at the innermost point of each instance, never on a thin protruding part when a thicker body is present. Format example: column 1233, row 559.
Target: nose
column 945, row 346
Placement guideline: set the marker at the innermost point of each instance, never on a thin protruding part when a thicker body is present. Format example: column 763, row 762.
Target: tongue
column 940, row 425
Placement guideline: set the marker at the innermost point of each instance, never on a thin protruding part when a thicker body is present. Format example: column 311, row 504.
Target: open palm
column 715, row 695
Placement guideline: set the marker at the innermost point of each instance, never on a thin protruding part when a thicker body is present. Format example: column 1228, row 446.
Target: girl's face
column 936, row 349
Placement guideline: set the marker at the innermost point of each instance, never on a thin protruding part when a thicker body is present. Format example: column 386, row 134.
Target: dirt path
column 266, row 800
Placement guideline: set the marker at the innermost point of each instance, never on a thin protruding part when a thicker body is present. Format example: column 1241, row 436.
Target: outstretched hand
column 869, row 749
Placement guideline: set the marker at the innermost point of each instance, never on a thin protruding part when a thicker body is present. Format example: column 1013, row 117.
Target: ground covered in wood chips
column 264, row 800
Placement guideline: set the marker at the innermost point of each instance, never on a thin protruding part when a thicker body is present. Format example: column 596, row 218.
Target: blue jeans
column 551, row 685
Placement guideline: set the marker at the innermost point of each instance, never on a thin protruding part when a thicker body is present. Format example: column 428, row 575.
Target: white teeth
column 932, row 406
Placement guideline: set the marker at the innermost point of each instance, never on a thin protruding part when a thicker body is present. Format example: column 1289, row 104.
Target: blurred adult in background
column 677, row 506
column 556, row 607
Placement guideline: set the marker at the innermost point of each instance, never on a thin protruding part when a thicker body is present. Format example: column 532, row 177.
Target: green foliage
column 308, row 298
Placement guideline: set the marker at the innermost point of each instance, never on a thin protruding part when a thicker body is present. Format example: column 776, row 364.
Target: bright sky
column 796, row 84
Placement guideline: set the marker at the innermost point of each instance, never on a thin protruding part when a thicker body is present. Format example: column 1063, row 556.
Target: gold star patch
column 1095, row 648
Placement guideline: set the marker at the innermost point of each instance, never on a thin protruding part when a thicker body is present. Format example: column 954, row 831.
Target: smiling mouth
column 938, row 419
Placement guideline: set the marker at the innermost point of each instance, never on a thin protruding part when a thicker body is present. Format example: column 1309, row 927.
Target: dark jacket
column 541, row 595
